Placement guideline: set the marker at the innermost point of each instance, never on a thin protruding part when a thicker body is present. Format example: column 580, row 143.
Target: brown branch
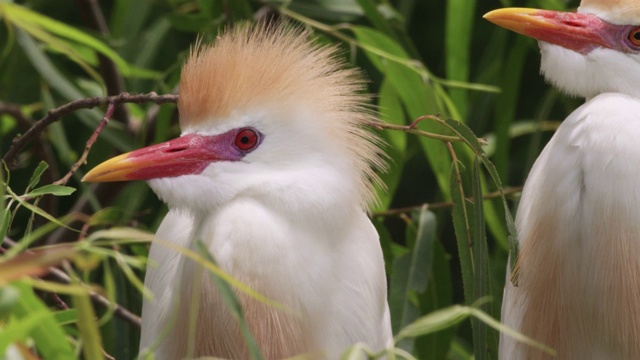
column 113, row 80
column 444, row 204
column 94, row 137
column 43, row 151
column 62, row 277
column 411, row 129
column 55, row 114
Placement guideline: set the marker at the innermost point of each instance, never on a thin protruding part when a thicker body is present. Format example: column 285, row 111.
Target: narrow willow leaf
column 109, row 285
column 49, row 337
column 33, row 263
column 372, row 12
column 20, row 15
column 462, row 228
column 484, row 344
column 46, row 68
column 355, row 352
column 511, row 79
column 54, row 287
column 472, row 141
column 435, row 321
column 66, row 317
column 120, row 235
column 233, row 304
column 412, row 272
column 131, row 275
column 202, row 261
column 396, row 144
column 37, row 210
column 418, row 95
column 37, row 173
column 88, row 326
column 458, row 31
column 57, row 190
column 495, row 324
column 8, row 299
column 5, row 221
column 438, row 295
column 20, row 330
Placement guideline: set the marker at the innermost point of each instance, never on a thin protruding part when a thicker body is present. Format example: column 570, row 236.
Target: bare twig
column 55, row 114
column 444, row 204
column 94, row 17
column 103, row 123
column 43, row 151
column 411, row 129
column 62, row 277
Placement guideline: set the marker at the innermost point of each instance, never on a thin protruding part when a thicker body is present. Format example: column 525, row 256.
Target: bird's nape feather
column 252, row 66
column 613, row 11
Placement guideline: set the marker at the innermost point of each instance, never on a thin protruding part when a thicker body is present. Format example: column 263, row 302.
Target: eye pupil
column 634, row 36
column 244, row 140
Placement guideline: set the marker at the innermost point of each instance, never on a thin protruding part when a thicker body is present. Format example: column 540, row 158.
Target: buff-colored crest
column 252, row 65
column 621, row 12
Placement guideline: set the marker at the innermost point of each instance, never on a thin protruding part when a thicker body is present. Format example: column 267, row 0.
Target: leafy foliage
column 441, row 76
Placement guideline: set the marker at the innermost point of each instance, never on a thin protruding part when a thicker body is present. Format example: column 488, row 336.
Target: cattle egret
column 578, row 269
column 273, row 173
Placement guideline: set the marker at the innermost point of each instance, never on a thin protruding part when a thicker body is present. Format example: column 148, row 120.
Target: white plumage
column 281, row 208
column 578, row 221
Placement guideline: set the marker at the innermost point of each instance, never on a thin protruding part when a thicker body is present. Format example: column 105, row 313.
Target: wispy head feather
column 281, row 64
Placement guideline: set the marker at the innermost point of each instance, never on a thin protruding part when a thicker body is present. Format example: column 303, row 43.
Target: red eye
column 634, row 36
column 247, row 139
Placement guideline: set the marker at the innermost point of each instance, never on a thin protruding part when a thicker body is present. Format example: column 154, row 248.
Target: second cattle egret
column 578, row 271
column 273, row 173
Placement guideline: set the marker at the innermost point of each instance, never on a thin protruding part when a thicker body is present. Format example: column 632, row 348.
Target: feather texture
column 288, row 219
column 579, row 239
column 258, row 66
column 621, row 12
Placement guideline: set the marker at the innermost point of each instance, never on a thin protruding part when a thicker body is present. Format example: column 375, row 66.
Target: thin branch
column 55, row 114
column 42, row 149
column 444, row 204
column 94, row 16
column 411, row 129
column 62, row 277
column 94, row 137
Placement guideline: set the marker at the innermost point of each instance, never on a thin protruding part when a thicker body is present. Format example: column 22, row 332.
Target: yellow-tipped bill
column 575, row 31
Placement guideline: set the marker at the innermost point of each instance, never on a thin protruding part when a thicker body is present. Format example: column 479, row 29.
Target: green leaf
column 485, row 344
column 458, row 32
column 396, row 144
column 66, row 317
column 46, row 69
column 29, row 20
column 462, row 227
column 20, row 330
column 438, row 295
column 88, row 326
column 37, row 173
column 5, row 221
column 418, row 96
column 412, row 272
column 8, row 299
column 435, row 321
column 37, row 210
column 49, row 337
column 57, row 190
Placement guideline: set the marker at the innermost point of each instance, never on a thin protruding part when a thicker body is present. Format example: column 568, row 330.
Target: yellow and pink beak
column 575, row 31
column 189, row 154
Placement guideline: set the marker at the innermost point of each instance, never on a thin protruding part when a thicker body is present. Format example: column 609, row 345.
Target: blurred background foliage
column 422, row 57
